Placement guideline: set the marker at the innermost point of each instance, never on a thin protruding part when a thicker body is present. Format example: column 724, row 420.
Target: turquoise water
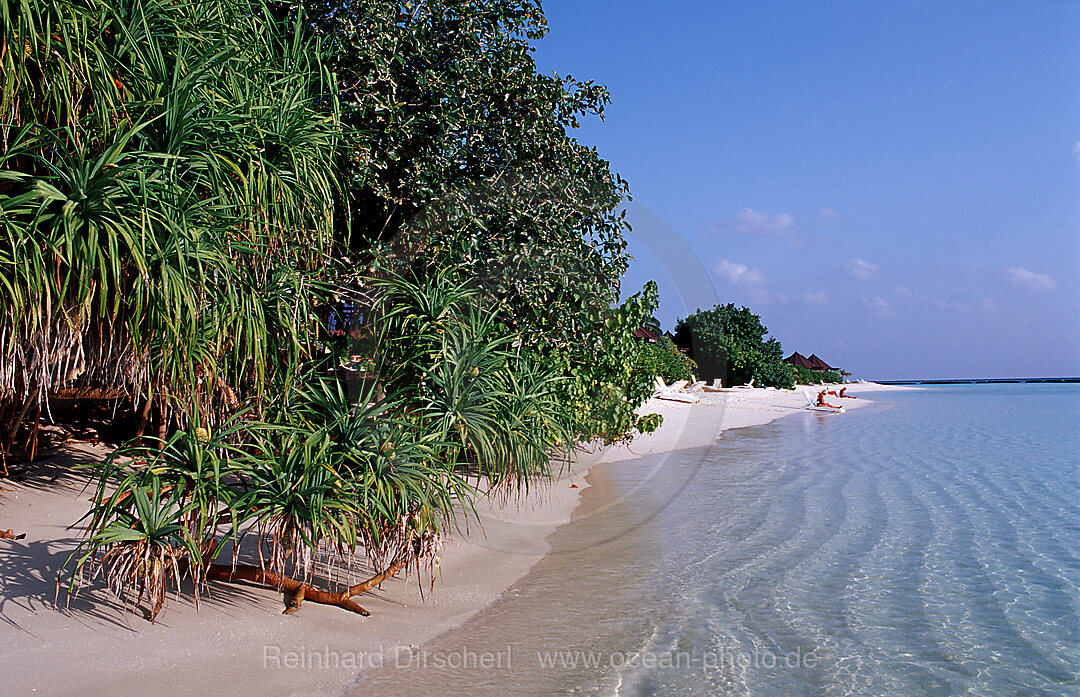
column 928, row 544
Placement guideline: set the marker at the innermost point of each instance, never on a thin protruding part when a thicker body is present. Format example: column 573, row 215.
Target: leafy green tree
column 732, row 340
column 805, row 376
column 458, row 154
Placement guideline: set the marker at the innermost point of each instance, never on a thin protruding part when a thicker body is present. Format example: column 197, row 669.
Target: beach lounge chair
column 678, row 397
column 674, row 392
column 747, row 386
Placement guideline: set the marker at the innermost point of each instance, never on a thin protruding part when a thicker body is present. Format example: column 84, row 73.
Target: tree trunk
column 30, row 395
column 299, row 591
column 162, row 426
column 32, row 440
column 144, row 414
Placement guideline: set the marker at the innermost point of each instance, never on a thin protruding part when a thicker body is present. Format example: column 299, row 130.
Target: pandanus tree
column 493, row 403
column 323, row 477
column 164, row 200
column 187, row 189
column 165, row 186
column 317, row 485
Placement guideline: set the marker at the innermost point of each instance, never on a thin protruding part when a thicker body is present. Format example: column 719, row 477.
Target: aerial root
column 297, row 591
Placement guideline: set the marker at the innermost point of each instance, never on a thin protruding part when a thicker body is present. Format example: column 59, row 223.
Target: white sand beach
column 234, row 640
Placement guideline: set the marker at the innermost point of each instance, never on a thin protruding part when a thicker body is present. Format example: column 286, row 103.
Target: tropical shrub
column 731, row 341
column 322, row 479
column 468, row 379
column 774, row 373
column 604, row 384
column 648, row 423
column 166, row 188
column 664, row 359
column 805, row 376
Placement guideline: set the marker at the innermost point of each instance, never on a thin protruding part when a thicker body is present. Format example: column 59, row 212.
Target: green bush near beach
column 665, row 360
column 733, row 339
column 805, row 376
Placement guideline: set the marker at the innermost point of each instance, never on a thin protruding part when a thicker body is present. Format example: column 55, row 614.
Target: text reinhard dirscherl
column 276, row 657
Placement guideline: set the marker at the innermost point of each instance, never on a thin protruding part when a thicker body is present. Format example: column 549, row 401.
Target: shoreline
column 238, row 635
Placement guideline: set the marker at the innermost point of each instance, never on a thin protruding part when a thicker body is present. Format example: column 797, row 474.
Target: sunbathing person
column 849, row 396
column 822, row 403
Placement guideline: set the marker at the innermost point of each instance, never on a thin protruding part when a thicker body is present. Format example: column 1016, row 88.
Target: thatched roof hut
column 799, row 361
column 647, row 334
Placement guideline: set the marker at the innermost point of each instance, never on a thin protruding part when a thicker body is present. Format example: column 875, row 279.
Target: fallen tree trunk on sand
column 298, row 591
column 10, row 535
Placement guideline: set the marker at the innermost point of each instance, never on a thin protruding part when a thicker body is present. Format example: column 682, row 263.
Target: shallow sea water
column 928, row 544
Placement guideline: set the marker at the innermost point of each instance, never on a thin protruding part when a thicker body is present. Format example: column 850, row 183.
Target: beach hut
column 799, row 361
column 818, row 364
column 647, row 335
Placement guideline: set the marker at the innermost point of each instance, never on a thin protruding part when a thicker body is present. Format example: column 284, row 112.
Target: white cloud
column 1024, row 278
column 757, row 288
column 880, row 306
column 738, row 274
column 751, row 222
column 954, row 303
column 808, row 298
column 829, row 213
column 861, row 270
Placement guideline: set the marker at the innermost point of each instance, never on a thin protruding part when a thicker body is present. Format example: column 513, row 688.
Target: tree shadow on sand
column 29, row 585
column 33, row 581
column 60, row 468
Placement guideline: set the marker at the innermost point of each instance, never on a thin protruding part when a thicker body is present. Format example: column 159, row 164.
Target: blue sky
column 893, row 186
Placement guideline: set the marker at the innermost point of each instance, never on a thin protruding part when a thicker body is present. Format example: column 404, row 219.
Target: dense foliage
column 665, row 360
column 733, row 339
column 604, row 385
column 456, row 155
column 206, row 207
column 166, row 185
column 805, row 376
